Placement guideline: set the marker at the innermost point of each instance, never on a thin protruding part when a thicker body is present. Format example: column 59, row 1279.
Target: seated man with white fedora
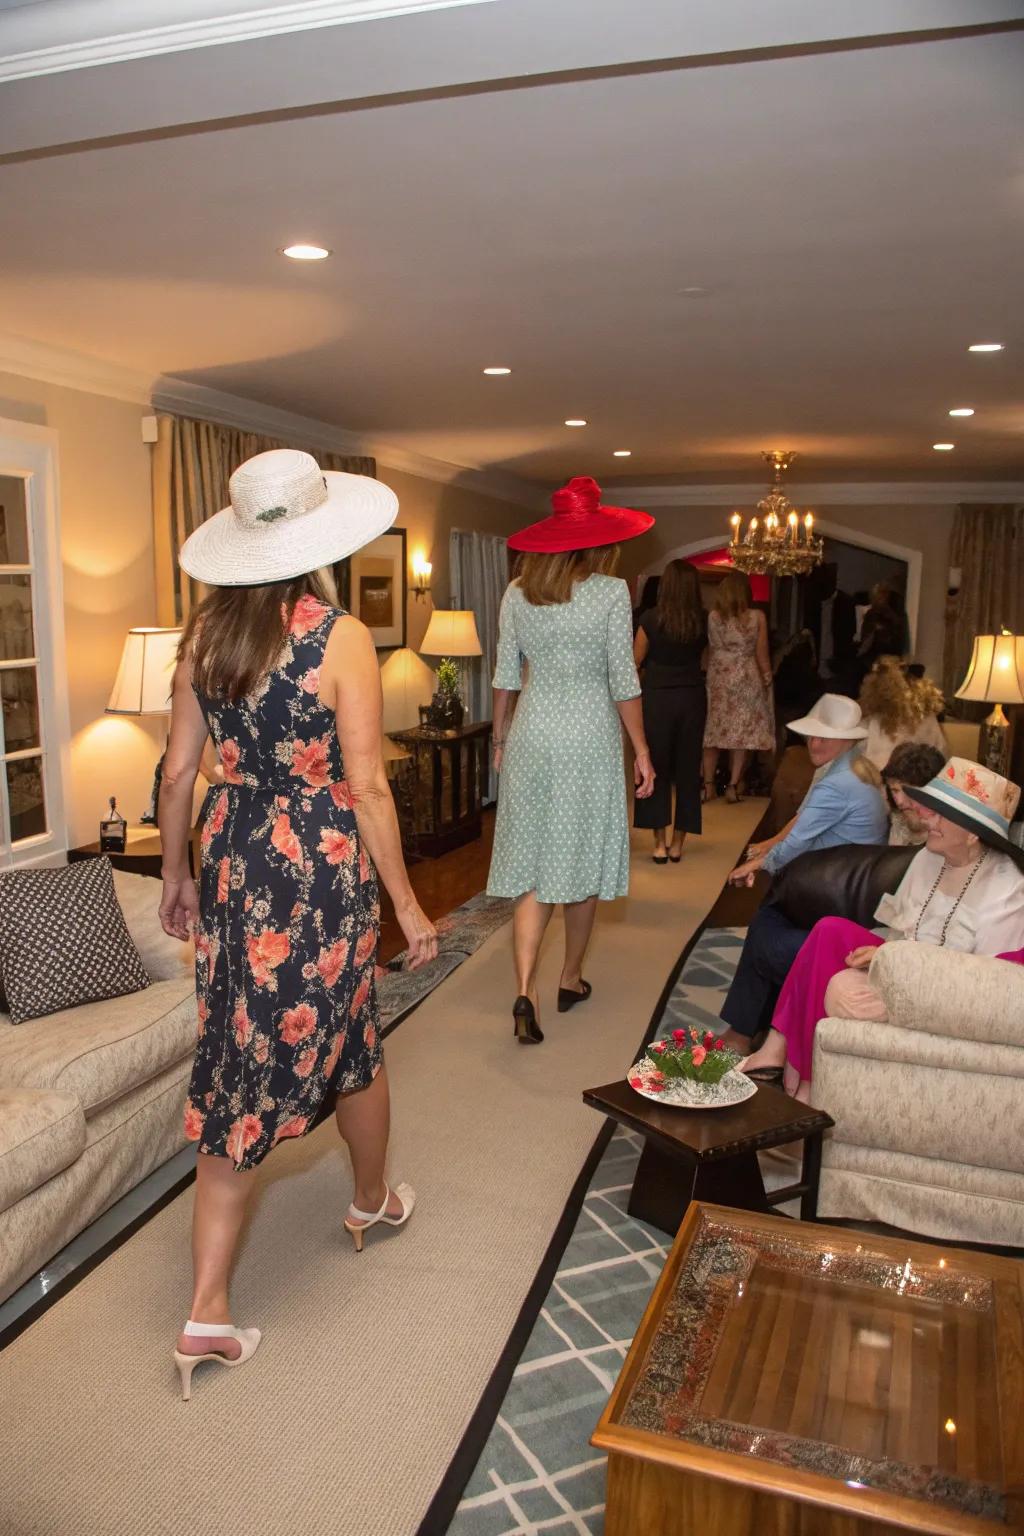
column 843, row 805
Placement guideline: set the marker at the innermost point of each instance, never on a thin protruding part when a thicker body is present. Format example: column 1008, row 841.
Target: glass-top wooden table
column 804, row 1380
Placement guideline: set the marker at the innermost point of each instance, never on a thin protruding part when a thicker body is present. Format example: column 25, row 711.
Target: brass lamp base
column 995, row 742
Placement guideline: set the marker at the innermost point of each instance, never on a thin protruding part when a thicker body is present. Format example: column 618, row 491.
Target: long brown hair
column 236, row 634
column 679, row 611
column 733, row 596
column 549, row 579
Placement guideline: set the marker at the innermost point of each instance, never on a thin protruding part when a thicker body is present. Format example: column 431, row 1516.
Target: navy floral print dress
column 288, row 915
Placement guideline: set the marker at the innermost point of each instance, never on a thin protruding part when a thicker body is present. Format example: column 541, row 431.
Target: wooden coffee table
column 711, row 1154
column 797, row 1379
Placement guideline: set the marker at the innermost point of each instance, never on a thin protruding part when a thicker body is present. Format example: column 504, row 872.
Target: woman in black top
column 669, row 647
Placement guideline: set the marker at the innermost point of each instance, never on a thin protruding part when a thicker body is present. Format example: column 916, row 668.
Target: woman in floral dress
column 286, row 920
column 741, row 714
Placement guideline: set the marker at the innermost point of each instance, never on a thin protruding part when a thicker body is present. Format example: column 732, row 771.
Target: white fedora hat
column 287, row 516
column 835, row 717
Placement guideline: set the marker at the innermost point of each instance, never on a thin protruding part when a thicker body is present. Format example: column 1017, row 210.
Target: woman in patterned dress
column 286, row 921
column 562, row 835
column 741, row 716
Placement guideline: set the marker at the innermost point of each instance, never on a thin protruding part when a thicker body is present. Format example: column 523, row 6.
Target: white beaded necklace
column 959, row 899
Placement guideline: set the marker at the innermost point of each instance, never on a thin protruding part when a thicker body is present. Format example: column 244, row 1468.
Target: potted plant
column 446, row 707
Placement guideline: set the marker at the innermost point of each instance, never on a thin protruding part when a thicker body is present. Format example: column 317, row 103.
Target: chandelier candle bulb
column 735, row 520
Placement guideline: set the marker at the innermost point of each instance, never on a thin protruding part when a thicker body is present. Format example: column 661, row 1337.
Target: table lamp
column 451, row 632
column 995, row 676
column 143, row 685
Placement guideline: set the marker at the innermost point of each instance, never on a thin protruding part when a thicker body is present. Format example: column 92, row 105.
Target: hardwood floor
column 441, row 885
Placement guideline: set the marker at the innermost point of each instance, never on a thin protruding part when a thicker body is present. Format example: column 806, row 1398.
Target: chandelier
column 777, row 542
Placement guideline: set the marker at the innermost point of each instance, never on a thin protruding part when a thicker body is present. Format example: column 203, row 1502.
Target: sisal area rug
column 372, row 1364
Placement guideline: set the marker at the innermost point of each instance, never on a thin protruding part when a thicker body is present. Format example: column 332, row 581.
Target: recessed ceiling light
column 986, row 346
column 963, row 410
column 943, row 447
column 622, row 453
column 575, row 421
column 693, row 290
column 496, row 373
column 306, row 252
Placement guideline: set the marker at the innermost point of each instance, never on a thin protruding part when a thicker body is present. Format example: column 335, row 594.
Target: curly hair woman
column 899, row 706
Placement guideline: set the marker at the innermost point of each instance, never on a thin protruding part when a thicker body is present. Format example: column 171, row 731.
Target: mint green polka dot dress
column 561, row 828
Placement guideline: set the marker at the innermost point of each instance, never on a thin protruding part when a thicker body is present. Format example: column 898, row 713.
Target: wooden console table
column 451, row 772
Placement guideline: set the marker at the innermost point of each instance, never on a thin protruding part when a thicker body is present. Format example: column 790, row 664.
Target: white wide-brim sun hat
column 834, row 717
column 287, row 517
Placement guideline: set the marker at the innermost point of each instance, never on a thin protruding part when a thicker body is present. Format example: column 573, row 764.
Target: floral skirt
column 286, row 946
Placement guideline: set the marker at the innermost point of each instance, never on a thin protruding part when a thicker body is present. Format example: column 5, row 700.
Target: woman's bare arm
column 641, row 645
column 179, row 903
column 761, row 653
column 504, row 701
column 350, row 686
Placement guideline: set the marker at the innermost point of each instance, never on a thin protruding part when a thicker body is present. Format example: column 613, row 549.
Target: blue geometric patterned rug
column 537, row 1472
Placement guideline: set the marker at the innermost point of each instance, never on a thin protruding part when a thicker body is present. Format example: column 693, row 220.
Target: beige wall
column 925, row 529
column 107, row 547
column 108, row 586
column 428, row 512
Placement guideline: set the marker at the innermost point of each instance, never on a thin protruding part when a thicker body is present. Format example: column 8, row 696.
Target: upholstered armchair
column 929, row 1108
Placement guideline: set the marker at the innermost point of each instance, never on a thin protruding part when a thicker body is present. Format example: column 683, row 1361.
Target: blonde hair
column 549, row 579
column 864, row 769
column 733, row 596
column 895, row 699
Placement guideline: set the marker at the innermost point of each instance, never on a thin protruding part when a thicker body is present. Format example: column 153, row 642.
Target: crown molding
column 73, row 370
column 115, row 45
column 849, row 493
column 29, row 359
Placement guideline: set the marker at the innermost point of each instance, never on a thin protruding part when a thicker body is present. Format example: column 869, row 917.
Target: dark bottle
column 113, row 830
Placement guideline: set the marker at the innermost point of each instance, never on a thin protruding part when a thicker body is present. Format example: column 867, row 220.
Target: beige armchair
column 929, row 1108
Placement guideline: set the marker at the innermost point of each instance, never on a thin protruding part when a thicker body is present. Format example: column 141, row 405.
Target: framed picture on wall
column 373, row 587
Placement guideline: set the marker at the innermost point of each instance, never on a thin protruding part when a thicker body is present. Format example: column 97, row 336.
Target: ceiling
column 850, row 221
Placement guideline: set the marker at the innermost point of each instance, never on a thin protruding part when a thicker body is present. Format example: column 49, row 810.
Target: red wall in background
column 760, row 586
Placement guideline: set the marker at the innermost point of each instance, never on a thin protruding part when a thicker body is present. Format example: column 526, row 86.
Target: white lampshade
column 406, row 682
column 996, row 672
column 451, row 632
column 146, row 674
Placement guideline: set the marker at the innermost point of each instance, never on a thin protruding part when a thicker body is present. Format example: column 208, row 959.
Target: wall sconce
column 421, row 570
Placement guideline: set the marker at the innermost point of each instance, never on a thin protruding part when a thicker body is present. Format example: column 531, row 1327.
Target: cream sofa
column 91, row 1099
column 929, row 1108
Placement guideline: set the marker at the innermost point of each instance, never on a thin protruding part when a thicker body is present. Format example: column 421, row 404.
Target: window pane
column 20, row 698
column 13, row 522
column 16, row 638
column 25, row 793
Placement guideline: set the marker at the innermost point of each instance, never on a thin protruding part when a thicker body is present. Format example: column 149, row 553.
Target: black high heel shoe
column 568, row 997
column 525, row 1027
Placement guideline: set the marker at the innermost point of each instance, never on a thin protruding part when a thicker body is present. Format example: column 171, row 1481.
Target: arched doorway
column 847, row 548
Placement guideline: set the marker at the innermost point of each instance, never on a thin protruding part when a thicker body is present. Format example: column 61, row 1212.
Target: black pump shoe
column 568, row 998
column 525, row 1027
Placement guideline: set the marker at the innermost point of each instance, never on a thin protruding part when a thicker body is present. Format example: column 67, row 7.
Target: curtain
column 192, row 464
column 479, row 575
column 988, row 548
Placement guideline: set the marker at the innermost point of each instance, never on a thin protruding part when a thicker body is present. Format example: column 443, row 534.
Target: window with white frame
column 33, row 717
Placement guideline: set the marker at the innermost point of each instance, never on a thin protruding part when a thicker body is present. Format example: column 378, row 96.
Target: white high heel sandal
column 367, row 1219
column 249, row 1339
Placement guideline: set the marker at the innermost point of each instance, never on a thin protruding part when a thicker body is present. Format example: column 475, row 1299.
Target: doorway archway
column 912, row 558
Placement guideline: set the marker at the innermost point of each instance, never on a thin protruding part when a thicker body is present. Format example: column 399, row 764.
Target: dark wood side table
column 143, row 853
column 711, row 1154
column 451, row 772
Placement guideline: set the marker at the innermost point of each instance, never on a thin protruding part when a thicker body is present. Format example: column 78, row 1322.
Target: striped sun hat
column 975, row 798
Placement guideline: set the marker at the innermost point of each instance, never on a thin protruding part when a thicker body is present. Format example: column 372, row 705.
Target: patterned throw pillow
column 63, row 940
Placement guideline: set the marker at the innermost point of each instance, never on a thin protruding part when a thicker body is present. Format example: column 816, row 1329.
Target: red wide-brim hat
column 579, row 521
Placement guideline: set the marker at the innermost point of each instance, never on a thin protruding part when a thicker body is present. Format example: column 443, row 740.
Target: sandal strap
column 211, row 1330
column 371, row 1216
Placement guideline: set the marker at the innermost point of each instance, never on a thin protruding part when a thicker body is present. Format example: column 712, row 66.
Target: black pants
column 674, row 727
column 771, row 946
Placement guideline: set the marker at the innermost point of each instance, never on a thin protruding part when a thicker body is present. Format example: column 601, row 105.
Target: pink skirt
column 802, row 999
